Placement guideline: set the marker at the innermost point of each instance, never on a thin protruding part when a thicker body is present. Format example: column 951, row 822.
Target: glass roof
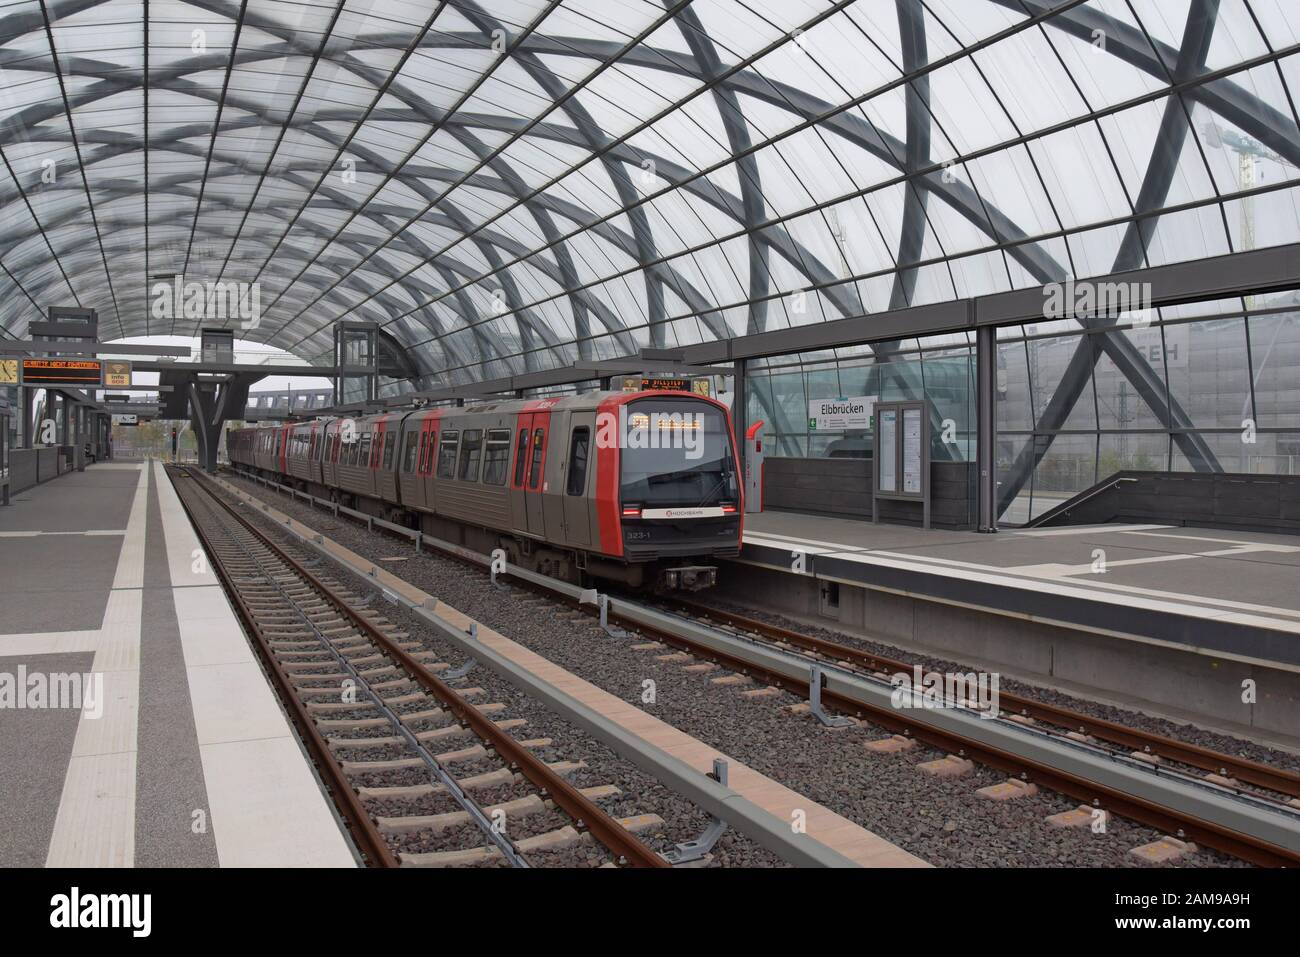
column 513, row 185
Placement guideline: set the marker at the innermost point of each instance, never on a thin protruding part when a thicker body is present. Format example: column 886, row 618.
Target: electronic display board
column 56, row 372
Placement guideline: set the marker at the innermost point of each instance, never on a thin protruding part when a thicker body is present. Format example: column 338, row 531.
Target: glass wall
column 1208, row 386
column 940, row 368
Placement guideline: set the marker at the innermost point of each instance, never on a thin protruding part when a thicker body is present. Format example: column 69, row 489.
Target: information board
column 117, row 373
column 901, row 455
column 887, row 437
column 912, row 451
column 56, row 372
column 650, row 383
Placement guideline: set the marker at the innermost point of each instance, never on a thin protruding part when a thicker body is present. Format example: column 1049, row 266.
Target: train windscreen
column 676, row 454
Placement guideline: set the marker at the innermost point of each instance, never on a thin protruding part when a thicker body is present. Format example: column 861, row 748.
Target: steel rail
column 365, row 833
column 785, row 670
column 1143, row 810
column 466, row 803
column 586, row 813
column 1206, row 759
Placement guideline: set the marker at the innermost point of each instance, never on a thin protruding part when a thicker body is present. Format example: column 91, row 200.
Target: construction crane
column 1248, row 150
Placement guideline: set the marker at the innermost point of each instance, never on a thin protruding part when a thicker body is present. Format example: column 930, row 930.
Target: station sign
column 57, row 372
column 127, row 419
column 8, row 371
column 649, row 383
column 841, row 415
column 117, row 373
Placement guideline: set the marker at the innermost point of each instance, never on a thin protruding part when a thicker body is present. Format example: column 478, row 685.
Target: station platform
column 1163, row 613
column 136, row 726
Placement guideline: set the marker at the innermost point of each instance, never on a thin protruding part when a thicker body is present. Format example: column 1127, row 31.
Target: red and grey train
column 636, row 487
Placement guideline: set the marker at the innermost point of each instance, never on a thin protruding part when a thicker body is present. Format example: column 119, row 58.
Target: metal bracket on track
column 815, row 701
column 590, row 596
column 699, row 848
column 470, row 663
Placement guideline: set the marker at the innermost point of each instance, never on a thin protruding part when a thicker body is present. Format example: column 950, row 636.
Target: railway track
column 388, row 734
column 853, row 680
column 1267, row 783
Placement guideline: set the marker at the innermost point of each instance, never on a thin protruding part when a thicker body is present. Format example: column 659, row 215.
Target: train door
column 536, row 487
column 282, row 453
column 578, row 477
column 523, row 447
column 409, row 480
column 329, row 470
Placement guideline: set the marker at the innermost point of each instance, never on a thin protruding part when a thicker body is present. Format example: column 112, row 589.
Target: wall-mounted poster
column 912, row 451
column 888, row 430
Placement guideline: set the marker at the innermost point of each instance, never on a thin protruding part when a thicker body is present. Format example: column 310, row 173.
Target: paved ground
column 1210, row 573
column 185, row 758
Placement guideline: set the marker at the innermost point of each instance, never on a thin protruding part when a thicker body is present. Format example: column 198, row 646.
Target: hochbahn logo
column 209, row 300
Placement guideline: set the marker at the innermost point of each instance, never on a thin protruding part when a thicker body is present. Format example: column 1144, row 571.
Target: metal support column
column 986, row 373
column 740, row 413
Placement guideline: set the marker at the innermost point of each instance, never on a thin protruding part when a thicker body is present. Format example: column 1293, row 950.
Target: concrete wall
column 28, row 467
column 1196, row 685
column 1268, row 503
column 843, row 487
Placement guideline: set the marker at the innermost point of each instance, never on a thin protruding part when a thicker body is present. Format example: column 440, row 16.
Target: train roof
column 581, row 402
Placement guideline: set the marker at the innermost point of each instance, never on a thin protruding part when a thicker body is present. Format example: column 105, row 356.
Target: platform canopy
column 519, row 185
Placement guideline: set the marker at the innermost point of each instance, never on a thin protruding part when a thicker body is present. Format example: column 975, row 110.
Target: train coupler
column 689, row 577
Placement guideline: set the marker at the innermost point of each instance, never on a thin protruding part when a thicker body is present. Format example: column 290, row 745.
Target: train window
column 408, row 453
column 433, row 447
column 471, row 451
column 496, row 461
column 521, row 458
column 390, row 443
column 579, row 445
column 539, row 447
column 447, row 455
column 362, row 455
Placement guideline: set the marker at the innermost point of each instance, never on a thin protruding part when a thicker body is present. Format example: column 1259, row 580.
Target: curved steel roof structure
column 516, row 185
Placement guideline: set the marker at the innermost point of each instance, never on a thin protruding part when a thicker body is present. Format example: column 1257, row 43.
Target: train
column 639, row 488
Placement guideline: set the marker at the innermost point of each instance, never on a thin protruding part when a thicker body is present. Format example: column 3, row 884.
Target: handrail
column 1067, row 506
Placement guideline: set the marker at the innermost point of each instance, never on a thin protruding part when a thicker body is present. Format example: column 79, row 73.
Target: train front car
column 678, row 487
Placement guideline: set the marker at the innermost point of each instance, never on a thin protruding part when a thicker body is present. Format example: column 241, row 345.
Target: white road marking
column 265, row 807
column 95, row 824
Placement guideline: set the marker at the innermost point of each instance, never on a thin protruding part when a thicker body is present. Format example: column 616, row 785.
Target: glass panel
column 447, row 454
column 1069, row 467
column 1212, row 383
column 496, row 460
